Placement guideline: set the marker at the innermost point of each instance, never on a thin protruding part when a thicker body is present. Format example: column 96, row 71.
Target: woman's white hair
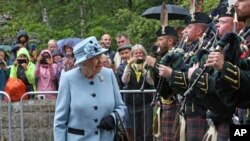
column 139, row 46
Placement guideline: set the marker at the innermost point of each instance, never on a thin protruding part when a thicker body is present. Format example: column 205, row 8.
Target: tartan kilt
column 222, row 131
column 196, row 127
column 170, row 121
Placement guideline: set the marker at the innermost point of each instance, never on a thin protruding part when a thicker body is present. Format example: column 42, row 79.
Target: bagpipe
column 176, row 58
column 231, row 45
column 209, row 35
column 182, row 43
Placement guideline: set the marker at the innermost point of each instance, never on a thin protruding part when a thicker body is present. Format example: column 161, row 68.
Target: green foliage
column 78, row 18
column 209, row 5
column 139, row 29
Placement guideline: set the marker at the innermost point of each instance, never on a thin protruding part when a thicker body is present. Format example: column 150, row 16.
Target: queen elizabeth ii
column 88, row 97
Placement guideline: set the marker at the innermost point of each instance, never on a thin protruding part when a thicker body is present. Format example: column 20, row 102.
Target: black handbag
column 120, row 131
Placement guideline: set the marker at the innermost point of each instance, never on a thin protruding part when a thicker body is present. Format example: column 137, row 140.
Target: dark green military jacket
column 180, row 83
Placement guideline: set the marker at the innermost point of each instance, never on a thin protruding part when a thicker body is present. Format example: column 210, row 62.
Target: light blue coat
column 82, row 103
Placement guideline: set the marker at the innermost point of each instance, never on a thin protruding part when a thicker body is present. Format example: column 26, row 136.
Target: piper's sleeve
column 206, row 92
column 232, row 84
column 231, row 75
column 202, row 83
column 204, row 88
column 178, row 81
column 243, row 92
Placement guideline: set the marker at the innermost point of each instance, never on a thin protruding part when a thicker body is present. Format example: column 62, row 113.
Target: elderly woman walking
column 88, row 97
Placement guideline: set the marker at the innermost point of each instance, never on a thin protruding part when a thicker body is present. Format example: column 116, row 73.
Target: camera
column 139, row 61
column 21, row 60
column 1, row 63
column 44, row 60
column 69, row 55
column 41, row 97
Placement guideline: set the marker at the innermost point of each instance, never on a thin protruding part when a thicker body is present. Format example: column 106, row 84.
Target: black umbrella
column 174, row 12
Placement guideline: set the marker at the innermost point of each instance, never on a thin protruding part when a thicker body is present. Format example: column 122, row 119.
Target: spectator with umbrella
column 66, row 47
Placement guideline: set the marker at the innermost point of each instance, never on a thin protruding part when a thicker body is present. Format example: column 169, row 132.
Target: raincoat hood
column 47, row 51
column 57, row 52
column 6, row 57
column 22, row 33
column 24, row 51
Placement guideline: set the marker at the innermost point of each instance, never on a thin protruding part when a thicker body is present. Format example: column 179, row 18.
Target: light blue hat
column 87, row 49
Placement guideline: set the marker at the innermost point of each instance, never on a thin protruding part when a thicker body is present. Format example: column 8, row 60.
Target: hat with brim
column 198, row 17
column 166, row 31
column 86, row 49
column 225, row 12
column 119, row 49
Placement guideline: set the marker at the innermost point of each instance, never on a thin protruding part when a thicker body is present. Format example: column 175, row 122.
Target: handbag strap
column 117, row 116
column 119, row 122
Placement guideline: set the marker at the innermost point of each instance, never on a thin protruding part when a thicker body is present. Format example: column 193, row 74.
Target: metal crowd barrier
column 34, row 93
column 138, row 91
column 144, row 129
column 30, row 101
column 2, row 93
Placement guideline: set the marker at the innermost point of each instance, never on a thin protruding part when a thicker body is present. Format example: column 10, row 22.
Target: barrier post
column 21, row 106
column 9, row 114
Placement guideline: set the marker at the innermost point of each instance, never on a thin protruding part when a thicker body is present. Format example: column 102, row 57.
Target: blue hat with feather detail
column 86, row 49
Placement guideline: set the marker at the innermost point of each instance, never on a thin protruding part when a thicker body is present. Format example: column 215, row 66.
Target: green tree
column 78, row 18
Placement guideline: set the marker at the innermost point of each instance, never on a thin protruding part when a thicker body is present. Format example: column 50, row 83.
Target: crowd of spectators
column 41, row 71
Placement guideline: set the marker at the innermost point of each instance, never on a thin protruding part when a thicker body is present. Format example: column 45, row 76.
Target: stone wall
column 38, row 118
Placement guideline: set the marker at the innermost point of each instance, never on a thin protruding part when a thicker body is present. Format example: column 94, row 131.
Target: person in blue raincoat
column 88, row 96
column 4, row 69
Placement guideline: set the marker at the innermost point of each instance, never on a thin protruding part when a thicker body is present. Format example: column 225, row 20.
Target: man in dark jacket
column 107, row 41
column 232, row 81
column 166, row 40
column 21, row 41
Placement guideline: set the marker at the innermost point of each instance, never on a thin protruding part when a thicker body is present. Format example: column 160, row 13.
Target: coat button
column 95, row 120
column 93, row 94
column 95, row 107
column 96, row 132
column 91, row 82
